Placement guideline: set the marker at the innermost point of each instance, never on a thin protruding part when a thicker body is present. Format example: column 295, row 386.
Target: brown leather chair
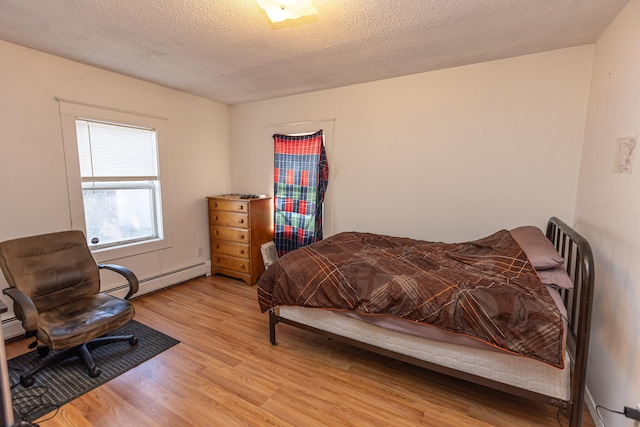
column 54, row 283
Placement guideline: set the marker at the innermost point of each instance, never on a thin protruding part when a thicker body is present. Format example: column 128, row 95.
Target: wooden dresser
column 237, row 228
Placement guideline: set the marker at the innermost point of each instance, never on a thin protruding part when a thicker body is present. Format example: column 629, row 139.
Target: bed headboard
column 579, row 263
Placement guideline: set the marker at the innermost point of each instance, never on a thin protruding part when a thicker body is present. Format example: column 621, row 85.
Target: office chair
column 54, row 283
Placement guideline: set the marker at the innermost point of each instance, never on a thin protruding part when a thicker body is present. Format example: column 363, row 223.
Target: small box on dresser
column 237, row 228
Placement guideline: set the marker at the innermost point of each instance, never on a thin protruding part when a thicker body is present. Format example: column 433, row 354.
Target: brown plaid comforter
column 486, row 289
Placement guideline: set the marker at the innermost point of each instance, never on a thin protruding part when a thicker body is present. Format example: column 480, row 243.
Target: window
column 120, row 186
column 308, row 128
column 115, row 168
column 301, row 175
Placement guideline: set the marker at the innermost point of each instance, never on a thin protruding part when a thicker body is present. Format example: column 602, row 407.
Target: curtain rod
column 275, row 125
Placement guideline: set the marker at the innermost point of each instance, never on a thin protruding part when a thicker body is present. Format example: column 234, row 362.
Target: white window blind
column 110, row 152
column 120, row 186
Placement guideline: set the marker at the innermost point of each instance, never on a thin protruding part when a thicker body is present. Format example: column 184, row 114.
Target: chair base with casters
column 82, row 351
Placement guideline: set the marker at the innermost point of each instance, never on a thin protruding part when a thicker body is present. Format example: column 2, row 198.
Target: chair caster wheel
column 42, row 351
column 95, row 372
column 27, row 381
column 133, row 341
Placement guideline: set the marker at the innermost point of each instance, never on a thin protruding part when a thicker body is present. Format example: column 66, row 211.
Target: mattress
column 514, row 370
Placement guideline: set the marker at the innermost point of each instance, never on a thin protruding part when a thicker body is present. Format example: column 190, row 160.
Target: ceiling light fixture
column 281, row 10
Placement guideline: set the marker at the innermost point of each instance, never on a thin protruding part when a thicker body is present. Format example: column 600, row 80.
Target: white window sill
column 123, row 251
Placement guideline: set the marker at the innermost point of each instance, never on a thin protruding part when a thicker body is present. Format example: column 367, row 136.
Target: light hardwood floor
column 225, row 372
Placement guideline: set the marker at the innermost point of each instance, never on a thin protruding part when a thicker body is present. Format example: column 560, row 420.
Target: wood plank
column 225, row 372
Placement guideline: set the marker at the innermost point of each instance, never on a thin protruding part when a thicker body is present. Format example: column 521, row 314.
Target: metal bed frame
column 579, row 263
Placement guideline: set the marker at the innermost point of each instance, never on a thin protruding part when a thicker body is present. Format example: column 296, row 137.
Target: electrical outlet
column 200, row 252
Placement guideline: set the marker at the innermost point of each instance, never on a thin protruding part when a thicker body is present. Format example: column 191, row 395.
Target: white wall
column 33, row 190
column 447, row 155
column 608, row 213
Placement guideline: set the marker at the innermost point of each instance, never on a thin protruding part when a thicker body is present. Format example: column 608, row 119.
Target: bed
column 516, row 316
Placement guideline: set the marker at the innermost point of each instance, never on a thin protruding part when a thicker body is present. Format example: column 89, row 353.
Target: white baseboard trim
column 591, row 406
column 11, row 327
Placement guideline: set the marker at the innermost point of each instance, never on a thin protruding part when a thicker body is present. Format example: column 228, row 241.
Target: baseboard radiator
column 11, row 327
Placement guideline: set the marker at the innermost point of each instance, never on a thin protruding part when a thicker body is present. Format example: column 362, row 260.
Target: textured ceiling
column 228, row 51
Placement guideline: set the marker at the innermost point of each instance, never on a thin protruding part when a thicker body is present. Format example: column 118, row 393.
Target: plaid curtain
column 300, row 179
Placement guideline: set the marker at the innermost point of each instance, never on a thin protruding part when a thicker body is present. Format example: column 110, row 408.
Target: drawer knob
column 215, row 217
column 242, row 237
column 241, row 221
column 217, row 246
column 241, row 251
column 242, row 266
column 241, row 207
column 216, row 232
column 215, row 205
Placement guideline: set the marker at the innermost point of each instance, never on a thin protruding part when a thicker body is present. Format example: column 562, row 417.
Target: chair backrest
column 52, row 269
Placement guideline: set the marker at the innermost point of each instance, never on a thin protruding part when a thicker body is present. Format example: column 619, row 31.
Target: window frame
column 72, row 111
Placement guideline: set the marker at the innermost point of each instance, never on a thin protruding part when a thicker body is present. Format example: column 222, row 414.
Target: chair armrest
column 127, row 274
column 24, row 309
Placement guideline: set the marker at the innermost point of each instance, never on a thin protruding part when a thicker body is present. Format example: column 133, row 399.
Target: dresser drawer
column 229, row 219
column 234, row 249
column 229, row 205
column 230, row 263
column 238, row 235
